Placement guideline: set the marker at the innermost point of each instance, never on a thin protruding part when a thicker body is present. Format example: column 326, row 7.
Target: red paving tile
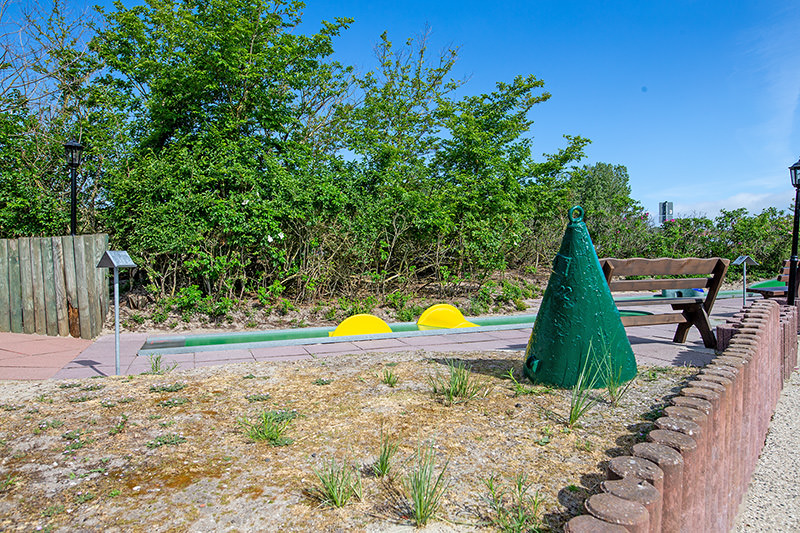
column 278, row 351
column 26, row 373
column 51, row 360
column 39, row 357
column 379, row 344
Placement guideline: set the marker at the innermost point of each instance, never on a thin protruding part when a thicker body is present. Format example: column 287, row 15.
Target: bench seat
column 686, row 311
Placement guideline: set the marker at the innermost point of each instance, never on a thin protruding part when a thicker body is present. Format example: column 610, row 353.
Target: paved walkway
column 772, row 502
column 40, row 357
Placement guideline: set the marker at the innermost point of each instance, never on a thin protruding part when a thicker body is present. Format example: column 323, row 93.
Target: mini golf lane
column 299, row 336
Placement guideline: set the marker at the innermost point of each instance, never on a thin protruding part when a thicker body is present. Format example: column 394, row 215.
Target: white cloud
column 753, row 202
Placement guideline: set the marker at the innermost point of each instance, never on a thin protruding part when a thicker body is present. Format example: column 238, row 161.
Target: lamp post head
column 794, row 172
column 73, row 150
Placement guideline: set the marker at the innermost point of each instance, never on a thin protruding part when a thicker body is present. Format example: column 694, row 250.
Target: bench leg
column 696, row 316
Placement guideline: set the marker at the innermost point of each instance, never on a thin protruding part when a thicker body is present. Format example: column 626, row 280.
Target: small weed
column 524, row 390
column 53, row 510
column 126, row 399
column 252, row 398
column 83, row 497
column 93, row 387
column 79, row 399
column 158, row 366
column 585, row 445
column 75, row 434
column 68, row 385
column 75, row 445
column 47, row 424
column 173, row 402
column 174, row 387
column 249, row 376
column 8, row 483
column 105, row 402
column 154, row 417
column 384, row 463
column 573, row 488
column 270, row 426
column 654, row 414
column 167, row 424
column 119, row 427
column 514, row 512
column 170, row 439
column 338, row 484
column 460, row 386
column 389, row 377
column 655, row 372
column 10, row 407
column 44, row 399
column 320, row 381
column 424, row 487
column 114, row 493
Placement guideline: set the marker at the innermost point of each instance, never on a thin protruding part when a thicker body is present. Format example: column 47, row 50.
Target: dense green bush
column 230, row 155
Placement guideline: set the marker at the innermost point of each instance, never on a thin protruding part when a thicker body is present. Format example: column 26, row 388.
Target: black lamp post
column 794, row 172
column 73, row 150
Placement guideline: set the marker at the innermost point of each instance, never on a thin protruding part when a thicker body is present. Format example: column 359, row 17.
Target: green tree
column 617, row 223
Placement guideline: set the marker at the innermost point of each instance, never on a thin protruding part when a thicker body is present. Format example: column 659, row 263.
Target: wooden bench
column 687, row 311
column 778, row 291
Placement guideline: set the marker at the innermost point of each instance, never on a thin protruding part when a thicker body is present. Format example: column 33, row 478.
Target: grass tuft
column 384, row 463
column 389, row 377
column 515, row 511
column 270, row 426
column 581, row 397
column 158, row 367
column 460, row 386
column 338, row 484
column 424, row 487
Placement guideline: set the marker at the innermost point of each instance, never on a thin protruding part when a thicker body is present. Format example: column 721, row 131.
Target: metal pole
column 792, row 292
column 744, row 287
column 116, row 319
column 73, row 223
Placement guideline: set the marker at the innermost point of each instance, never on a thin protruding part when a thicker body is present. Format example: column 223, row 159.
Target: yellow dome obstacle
column 441, row 316
column 360, row 325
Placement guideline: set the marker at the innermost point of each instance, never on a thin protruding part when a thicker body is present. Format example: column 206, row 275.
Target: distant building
column 665, row 212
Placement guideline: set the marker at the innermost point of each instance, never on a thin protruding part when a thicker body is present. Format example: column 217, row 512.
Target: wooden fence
column 52, row 286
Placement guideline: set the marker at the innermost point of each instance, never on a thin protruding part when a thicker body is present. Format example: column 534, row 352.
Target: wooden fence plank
column 91, row 284
column 26, row 283
column 62, row 317
column 5, row 305
column 48, row 278
column 37, row 282
column 83, row 291
column 103, row 275
column 71, row 284
column 14, row 286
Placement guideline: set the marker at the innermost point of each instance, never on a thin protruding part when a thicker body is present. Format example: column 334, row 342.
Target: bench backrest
column 708, row 274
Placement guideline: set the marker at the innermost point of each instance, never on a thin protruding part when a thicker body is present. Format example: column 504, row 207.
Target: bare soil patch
column 81, row 454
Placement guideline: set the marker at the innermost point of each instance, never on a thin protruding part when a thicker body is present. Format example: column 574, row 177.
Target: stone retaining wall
column 693, row 471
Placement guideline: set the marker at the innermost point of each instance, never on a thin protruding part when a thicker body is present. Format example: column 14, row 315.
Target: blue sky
column 698, row 99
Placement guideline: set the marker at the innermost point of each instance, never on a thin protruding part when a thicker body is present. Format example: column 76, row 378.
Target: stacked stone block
column 694, row 469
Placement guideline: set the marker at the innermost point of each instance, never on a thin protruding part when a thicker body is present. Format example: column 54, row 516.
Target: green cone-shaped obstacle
column 578, row 324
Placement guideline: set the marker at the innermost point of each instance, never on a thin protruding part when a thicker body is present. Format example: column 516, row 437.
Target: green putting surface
column 310, row 334
column 768, row 284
